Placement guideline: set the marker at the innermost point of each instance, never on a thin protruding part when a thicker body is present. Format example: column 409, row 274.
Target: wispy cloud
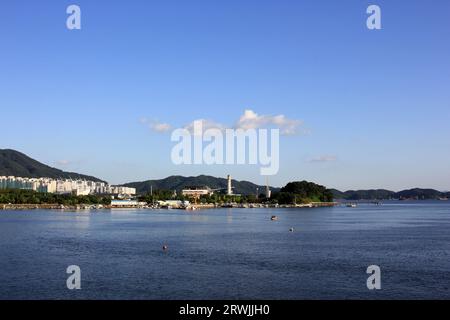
column 248, row 120
column 323, row 158
column 155, row 125
column 63, row 163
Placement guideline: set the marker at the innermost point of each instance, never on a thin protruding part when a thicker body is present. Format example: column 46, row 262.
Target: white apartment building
column 36, row 184
column 122, row 190
column 63, row 186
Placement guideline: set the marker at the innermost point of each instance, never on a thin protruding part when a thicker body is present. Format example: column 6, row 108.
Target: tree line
column 16, row 196
column 297, row 192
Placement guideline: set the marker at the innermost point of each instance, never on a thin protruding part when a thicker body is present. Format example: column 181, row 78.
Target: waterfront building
column 124, row 203
column 196, row 192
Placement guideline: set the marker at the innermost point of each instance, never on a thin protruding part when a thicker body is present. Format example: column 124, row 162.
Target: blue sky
column 375, row 104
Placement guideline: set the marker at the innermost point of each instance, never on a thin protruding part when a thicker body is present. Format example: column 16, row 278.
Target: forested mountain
column 14, row 163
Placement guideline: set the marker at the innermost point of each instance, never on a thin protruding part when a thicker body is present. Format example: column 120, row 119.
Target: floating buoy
column 291, row 230
column 165, row 247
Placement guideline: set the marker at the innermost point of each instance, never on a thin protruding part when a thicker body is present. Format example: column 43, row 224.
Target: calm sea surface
column 228, row 253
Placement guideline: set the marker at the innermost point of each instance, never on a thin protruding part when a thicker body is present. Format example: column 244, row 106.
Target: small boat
column 351, row 205
column 291, row 230
column 274, row 218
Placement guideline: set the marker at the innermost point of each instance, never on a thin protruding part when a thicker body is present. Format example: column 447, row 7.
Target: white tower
column 229, row 190
column 268, row 192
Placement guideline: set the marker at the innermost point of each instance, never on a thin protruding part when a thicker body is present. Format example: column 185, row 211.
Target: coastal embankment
column 48, row 206
column 189, row 207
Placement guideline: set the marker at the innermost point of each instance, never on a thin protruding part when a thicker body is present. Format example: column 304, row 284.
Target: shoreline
column 191, row 207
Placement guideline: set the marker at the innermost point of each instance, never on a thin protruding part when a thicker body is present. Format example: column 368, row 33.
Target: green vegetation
column 303, row 192
column 381, row 194
column 179, row 182
column 293, row 193
column 159, row 195
column 15, row 196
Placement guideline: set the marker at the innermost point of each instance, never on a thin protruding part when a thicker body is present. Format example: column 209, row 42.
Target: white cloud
column 155, row 125
column 160, row 127
column 323, row 158
column 252, row 120
column 248, row 120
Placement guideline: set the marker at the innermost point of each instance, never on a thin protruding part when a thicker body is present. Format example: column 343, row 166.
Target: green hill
column 381, row 194
column 180, row 182
column 420, row 194
column 14, row 163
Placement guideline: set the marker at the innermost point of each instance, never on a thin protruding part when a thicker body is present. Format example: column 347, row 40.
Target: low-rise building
column 173, row 203
column 124, row 203
column 195, row 192
column 122, row 190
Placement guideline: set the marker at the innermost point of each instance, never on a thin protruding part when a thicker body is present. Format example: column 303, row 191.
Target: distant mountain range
column 381, row 194
column 14, row 163
column 245, row 187
column 179, row 182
